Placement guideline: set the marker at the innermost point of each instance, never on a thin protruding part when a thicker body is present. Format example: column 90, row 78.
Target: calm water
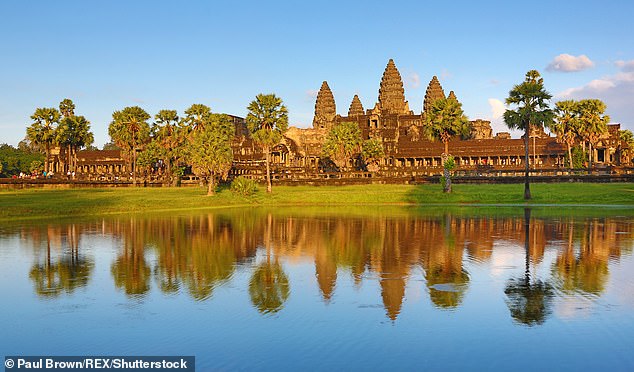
column 321, row 289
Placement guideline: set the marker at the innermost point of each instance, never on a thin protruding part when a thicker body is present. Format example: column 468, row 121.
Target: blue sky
column 168, row 55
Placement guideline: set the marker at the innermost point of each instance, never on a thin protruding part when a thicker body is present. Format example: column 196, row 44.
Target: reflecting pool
column 319, row 288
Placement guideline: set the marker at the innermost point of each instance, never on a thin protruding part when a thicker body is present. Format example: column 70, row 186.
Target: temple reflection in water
column 198, row 253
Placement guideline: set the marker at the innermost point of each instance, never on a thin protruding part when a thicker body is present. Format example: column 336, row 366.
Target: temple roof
column 434, row 92
column 391, row 92
column 356, row 108
column 325, row 109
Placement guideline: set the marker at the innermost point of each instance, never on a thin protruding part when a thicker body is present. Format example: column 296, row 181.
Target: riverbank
column 40, row 203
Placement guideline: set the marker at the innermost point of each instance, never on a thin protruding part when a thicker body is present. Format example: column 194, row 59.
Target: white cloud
column 568, row 63
column 497, row 117
column 627, row 66
column 497, row 108
column 413, row 80
column 615, row 90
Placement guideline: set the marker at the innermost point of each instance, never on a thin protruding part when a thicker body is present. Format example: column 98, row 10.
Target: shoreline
column 39, row 203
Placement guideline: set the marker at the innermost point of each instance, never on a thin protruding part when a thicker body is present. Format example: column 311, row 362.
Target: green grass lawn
column 45, row 202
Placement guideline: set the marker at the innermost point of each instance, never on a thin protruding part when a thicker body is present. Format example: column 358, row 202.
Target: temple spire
column 434, row 92
column 356, row 108
column 325, row 109
column 391, row 92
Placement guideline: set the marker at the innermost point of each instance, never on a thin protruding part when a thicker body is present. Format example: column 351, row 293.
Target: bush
column 243, row 186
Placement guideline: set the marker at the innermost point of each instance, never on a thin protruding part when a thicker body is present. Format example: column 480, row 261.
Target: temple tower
column 356, row 108
column 325, row 109
column 452, row 95
column 391, row 92
column 434, row 91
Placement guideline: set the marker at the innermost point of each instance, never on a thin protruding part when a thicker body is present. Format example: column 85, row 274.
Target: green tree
column 167, row 134
column 371, row 152
column 129, row 130
column 267, row 121
column 341, row 143
column 594, row 123
column 532, row 109
column 444, row 121
column 73, row 133
column 42, row 132
column 36, row 166
column 67, row 108
column 566, row 125
column 211, row 155
column 626, row 143
column 13, row 161
column 196, row 117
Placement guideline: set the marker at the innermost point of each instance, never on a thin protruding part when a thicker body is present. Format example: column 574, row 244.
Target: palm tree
column 445, row 120
column 74, row 133
column 595, row 123
column 626, row 143
column 342, row 142
column 165, row 130
column 566, row 125
column 267, row 121
column 42, row 132
column 211, row 154
column 129, row 130
column 532, row 111
column 196, row 117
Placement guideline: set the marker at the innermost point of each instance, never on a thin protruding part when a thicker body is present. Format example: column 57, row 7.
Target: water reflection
column 62, row 268
column 197, row 253
column 529, row 300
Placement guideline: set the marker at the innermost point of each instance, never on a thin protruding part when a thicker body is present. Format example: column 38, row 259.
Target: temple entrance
column 601, row 156
column 279, row 154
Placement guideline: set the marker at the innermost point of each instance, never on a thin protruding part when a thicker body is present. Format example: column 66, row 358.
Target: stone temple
column 409, row 155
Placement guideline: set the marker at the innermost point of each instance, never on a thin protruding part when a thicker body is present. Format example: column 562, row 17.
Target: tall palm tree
column 444, row 121
column 594, row 121
column 129, row 130
column 42, row 132
column 566, row 125
column 196, row 117
column 165, row 130
column 532, row 111
column 267, row 121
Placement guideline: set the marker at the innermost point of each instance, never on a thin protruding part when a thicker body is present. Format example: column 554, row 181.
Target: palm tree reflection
column 70, row 271
column 269, row 288
column 529, row 301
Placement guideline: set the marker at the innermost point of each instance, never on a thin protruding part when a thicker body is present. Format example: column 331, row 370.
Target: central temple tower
column 391, row 92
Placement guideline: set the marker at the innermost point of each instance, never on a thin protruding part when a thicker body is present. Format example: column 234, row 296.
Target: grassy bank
column 37, row 203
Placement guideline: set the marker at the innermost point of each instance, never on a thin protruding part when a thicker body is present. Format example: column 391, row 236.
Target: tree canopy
column 342, row 142
column 211, row 154
column 267, row 121
column 531, row 110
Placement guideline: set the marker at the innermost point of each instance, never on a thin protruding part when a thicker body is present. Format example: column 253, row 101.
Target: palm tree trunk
column 268, row 169
column 589, row 157
column 527, row 187
column 211, row 186
column 134, row 167
column 169, row 172
column 48, row 154
column 569, row 156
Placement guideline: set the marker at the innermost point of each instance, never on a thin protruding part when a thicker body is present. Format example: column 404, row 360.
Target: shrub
column 243, row 186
